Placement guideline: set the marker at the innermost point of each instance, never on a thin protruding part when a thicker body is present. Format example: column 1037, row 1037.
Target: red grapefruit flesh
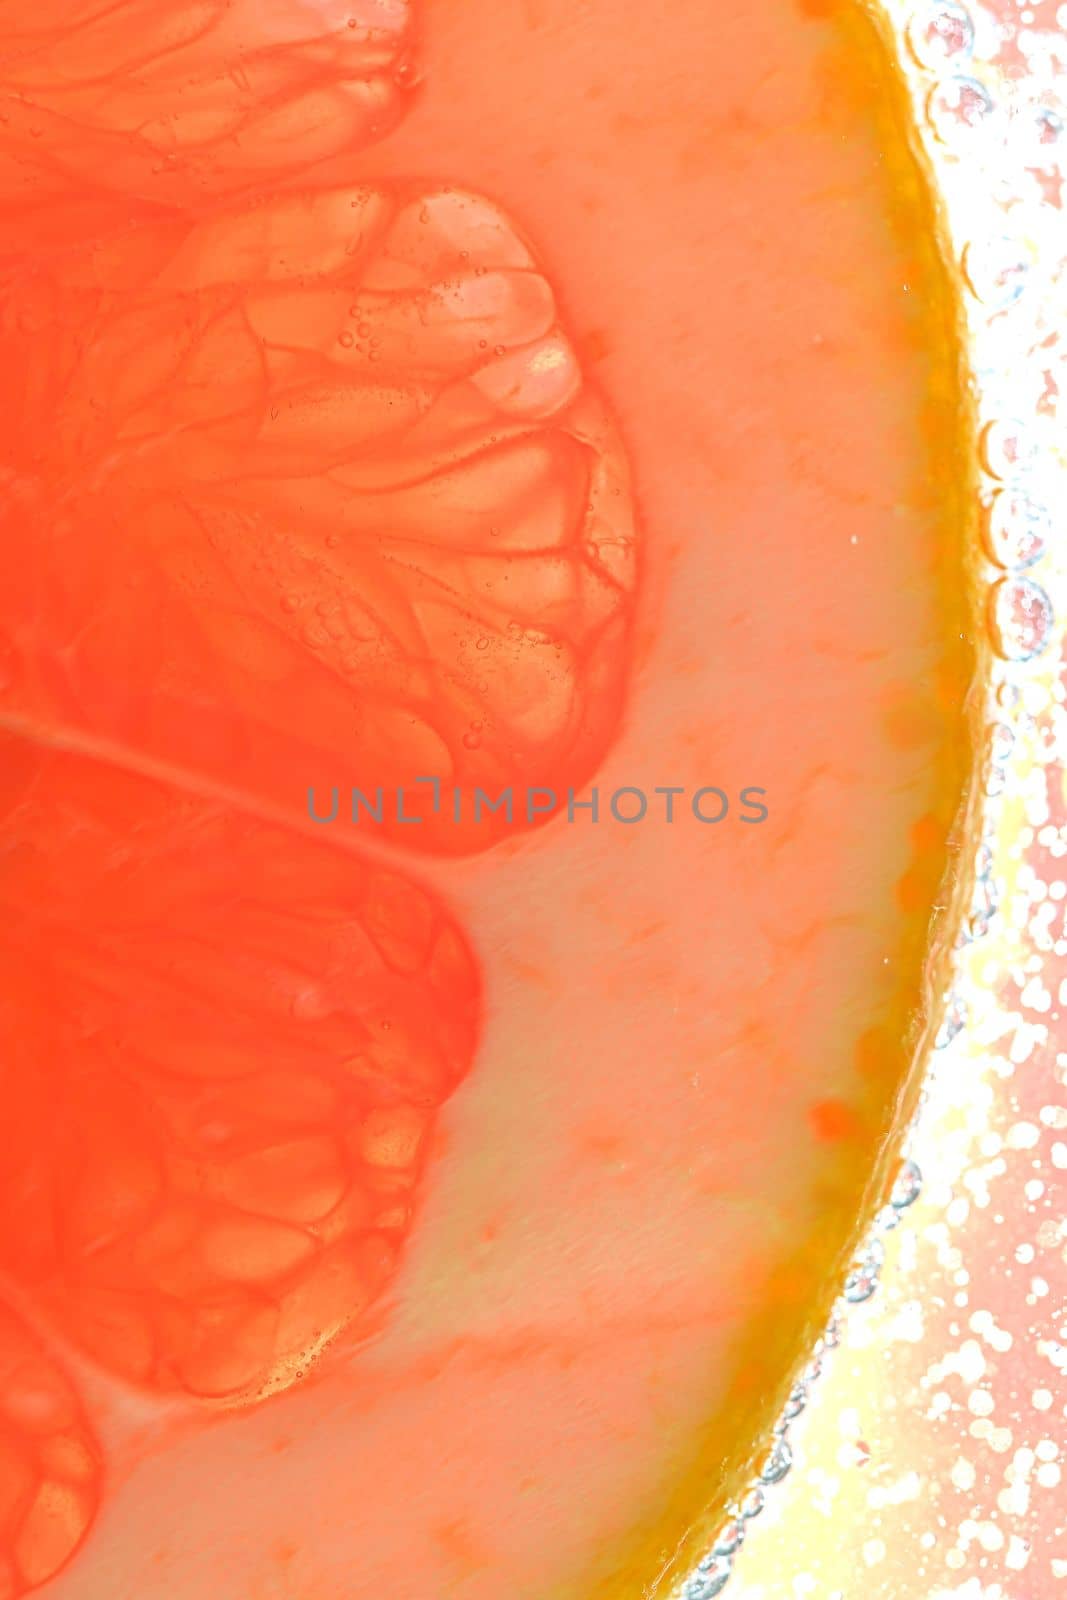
column 315, row 494
column 50, row 1468
column 223, row 1058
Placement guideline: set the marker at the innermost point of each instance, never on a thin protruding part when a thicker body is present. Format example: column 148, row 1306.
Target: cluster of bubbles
column 712, row 1573
column 1005, row 227
column 969, row 130
column 979, row 146
column 996, row 143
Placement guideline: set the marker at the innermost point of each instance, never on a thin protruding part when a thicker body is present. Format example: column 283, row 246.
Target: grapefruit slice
column 681, row 1015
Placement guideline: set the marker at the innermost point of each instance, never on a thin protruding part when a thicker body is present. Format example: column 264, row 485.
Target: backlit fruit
column 563, row 401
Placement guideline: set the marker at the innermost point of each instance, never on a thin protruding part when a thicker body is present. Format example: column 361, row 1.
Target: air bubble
column 985, row 904
column 1017, row 529
column 752, row 1504
column 798, row 1399
column 995, row 783
column 859, row 1287
column 862, row 1280
column 1048, row 127
column 778, row 1463
column 710, row 1579
column 957, row 109
column 996, row 271
column 730, row 1539
column 907, row 1188
column 1021, row 619
column 1035, row 134
column 1002, row 734
column 1006, row 447
column 942, row 33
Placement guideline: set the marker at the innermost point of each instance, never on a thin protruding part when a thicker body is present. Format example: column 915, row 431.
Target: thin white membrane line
column 996, row 149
